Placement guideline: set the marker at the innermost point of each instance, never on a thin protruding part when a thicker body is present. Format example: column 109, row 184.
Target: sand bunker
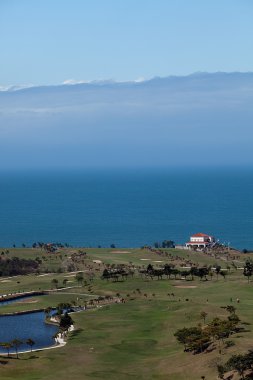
column 45, row 274
column 70, row 275
column 185, row 286
column 6, row 281
column 158, row 261
column 145, row 259
column 27, row 301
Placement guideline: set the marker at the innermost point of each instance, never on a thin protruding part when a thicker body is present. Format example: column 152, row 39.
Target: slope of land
column 133, row 339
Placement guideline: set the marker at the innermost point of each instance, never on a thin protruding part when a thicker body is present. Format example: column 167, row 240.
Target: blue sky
column 50, row 41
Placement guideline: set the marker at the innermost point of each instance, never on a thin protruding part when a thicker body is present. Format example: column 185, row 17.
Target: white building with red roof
column 200, row 240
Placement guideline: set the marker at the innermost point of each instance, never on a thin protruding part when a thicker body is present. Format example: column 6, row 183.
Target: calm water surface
column 127, row 208
column 27, row 326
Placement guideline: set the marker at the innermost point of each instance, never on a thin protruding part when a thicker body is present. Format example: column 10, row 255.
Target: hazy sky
column 50, row 41
column 196, row 120
column 202, row 119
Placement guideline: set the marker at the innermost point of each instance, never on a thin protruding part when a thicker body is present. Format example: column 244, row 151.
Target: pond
column 26, row 326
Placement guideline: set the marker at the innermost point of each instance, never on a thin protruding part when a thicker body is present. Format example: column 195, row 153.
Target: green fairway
column 134, row 339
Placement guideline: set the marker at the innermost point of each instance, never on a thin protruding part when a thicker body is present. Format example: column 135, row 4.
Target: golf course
column 130, row 309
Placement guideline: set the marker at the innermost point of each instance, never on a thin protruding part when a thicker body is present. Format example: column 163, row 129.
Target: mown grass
column 134, row 340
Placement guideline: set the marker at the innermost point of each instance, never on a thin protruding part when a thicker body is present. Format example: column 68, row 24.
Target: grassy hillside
column 135, row 339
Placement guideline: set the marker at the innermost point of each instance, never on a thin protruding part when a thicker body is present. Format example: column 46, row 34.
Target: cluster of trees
column 16, row 343
column 60, row 309
column 164, row 244
column 43, row 245
column 203, row 272
column 116, row 273
column 239, row 363
column 79, row 278
column 199, row 338
column 170, row 270
column 16, row 266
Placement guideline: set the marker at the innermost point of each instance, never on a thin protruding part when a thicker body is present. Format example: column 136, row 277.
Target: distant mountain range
column 220, row 78
column 197, row 119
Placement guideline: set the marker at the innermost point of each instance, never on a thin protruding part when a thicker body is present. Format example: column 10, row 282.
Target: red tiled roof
column 200, row 234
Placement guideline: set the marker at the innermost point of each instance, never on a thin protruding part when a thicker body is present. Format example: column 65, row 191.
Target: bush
column 229, row 343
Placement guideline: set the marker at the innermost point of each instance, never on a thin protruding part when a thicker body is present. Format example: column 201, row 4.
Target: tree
column 79, row 277
column 221, row 371
column 30, row 343
column 202, row 272
column 203, row 316
column 168, row 244
column 217, row 270
column 238, row 363
column 106, row 274
column 223, row 274
column 7, row 346
column 175, row 272
column 194, row 338
column 61, row 307
column 185, row 273
column 194, row 272
column 150, row 268
column 16, row 343
column 220, row 329
column 234, row 320
column 182, row 336
column 167, row 270
column 48, row 311
column 54, row 283
column 66, row 321
column 248, row 269
column 231, row 309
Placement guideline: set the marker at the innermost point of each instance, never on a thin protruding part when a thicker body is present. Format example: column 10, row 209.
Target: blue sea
column 128, row 208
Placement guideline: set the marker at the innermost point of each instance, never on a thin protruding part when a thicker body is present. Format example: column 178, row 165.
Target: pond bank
column 17, row 296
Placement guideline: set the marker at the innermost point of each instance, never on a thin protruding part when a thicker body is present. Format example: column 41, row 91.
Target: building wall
column 199, row 239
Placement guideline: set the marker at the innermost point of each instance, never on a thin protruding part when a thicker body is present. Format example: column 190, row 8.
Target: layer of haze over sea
column 128, row 208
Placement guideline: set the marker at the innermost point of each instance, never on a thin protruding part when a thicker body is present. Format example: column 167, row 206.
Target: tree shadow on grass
column 3, row 362
column 114, row 375
column 31, row 357
column 75, row 333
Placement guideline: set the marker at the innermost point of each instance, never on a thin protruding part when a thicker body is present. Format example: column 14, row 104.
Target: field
column 134, row 339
